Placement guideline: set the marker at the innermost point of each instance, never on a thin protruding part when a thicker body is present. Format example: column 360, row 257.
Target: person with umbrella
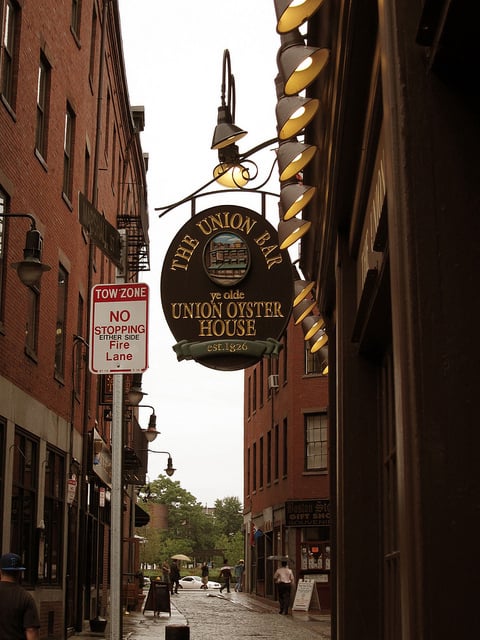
column 226, row 574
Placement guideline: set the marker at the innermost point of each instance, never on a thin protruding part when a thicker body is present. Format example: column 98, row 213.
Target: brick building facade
column 70, row 157
column 286, row 468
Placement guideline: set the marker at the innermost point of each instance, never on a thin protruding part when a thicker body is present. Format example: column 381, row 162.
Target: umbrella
column 181, row 556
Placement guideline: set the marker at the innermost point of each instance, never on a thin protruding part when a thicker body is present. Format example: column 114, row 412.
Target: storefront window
column 51, row 536
column 24, row 503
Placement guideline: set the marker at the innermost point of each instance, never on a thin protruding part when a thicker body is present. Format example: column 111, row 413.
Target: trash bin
column 177, row 632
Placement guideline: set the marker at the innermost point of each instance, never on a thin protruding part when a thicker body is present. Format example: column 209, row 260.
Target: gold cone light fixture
column 292, row 157
column 299, row 64
column 294, row 197
column 312, row 325
column 302, row 288
column 302, row 310
column 289, row 231
column 292, row 13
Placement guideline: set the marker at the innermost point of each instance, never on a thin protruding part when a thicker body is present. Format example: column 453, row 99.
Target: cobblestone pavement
column 231, row 616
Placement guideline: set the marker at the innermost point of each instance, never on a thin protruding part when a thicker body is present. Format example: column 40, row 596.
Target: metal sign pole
column 116, row 510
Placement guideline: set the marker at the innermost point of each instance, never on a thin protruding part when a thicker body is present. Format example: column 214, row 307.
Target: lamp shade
column 292, row 157
column 318, row 341
column 293, row 198
column 289, row 231
column 151, row 432
column 323, row 357
column 311, row 325
column 301, row 290
column 302, row 310
column 226, row 132
column 292, row 13
column 294, row 113
column 31, row 268
column 299, row 64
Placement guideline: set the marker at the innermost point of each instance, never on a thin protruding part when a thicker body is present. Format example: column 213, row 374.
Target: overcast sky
column 173, row 55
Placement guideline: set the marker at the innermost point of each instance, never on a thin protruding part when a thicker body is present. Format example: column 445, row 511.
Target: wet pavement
column 220, row 617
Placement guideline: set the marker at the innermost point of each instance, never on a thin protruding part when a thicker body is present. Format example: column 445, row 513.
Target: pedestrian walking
column 204, row 576
column 174, row 577
column 19, row 619
column 284, row 578
column 238, row 572
column 166, row 572
column 226, row 575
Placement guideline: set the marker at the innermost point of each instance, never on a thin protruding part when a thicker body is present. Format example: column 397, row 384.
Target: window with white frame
column 316, row 442
column 8, row 50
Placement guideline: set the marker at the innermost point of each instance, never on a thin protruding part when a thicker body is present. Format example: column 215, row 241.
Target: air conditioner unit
column 273, row 381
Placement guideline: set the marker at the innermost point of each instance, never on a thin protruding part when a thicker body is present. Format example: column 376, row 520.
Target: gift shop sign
column 227, row 288
column 119, row 328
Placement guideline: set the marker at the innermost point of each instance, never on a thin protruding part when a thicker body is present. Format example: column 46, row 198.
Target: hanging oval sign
column 227, row 288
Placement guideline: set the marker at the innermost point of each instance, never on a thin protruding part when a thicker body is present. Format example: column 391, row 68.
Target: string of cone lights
column 299, row 66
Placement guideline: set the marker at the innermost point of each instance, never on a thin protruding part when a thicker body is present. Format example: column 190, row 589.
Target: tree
column 189, row 529
column 228, row 516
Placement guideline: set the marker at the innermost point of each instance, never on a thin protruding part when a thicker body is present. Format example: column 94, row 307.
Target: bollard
column 177, row 632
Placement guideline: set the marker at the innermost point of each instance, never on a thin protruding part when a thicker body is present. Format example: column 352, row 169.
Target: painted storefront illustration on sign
column 227, row 288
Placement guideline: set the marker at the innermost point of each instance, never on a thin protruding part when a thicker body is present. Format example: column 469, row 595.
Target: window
column 24, row 503
column 114, row 157
column 50, row 552
column 285, row 447
column 3, row 431
column 269, row 457
column 9, row 51
column 254, row 391
column 68, row 144
column 62, row 291
column 107, row 123
column 262, row 382
column 312, row 362
column 86, row 173
column 79, row 348
column 3, row 249
column 316, row 443
column 254, row 467
column 261, row 463
column 31, row 328
column 93, row 45
column 276, row 445
column 43, row 96
column 75, row 17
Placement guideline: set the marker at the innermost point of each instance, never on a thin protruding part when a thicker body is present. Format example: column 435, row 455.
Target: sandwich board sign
column 305, row 596
column 119, row 328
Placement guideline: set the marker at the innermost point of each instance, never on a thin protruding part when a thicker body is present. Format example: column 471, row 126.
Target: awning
column 142, row 518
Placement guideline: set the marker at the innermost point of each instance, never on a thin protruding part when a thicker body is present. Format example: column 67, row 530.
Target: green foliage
column 233, row 547
column 228, row 516
column 190, row 530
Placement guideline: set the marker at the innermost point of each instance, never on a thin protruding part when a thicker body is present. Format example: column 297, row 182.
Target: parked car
column 146, row 581
column 194, row 582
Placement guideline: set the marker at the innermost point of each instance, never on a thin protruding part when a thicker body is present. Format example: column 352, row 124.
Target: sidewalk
column 222, row 616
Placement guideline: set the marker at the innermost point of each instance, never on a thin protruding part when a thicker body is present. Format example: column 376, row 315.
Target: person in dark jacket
column 174, row 577
column 204, row 576
column 226, row 575
column 19, row 619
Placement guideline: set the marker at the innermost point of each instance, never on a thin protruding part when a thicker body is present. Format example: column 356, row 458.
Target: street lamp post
column 169, row 470
column 31, row 268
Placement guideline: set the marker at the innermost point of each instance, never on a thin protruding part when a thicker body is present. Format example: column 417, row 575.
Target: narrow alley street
column 221, row 617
